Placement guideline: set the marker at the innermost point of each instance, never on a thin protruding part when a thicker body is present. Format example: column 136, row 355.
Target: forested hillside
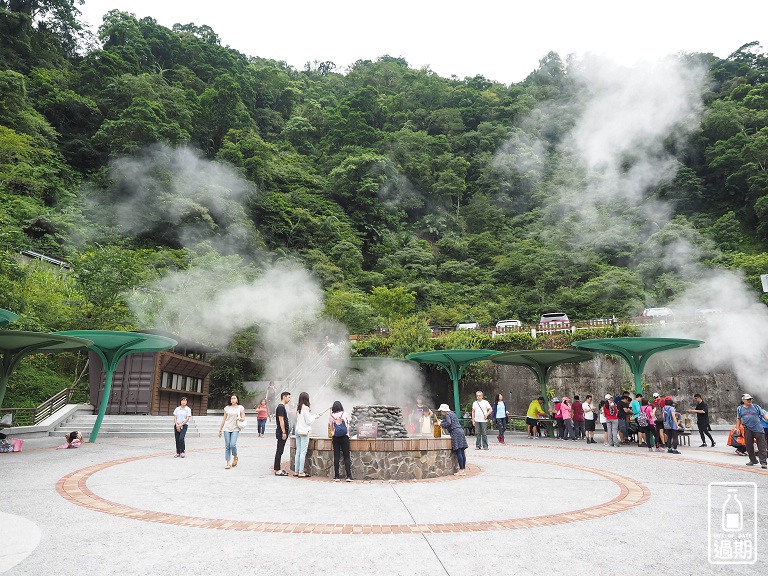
column 587, row 188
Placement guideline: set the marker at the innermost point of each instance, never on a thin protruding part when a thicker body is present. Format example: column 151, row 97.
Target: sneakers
column 675, row 452
column 183, row 455
column 530, row 437
column 336, row 479
column 659, row 449
column 349, row 479
column 751, row 463
column 763, row 466
column 714, row 444
column 703, row 445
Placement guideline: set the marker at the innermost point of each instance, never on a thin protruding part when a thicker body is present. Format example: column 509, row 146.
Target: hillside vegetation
column 412, row 199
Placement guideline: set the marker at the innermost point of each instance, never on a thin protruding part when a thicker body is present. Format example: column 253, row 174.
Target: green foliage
column 413, row 199
column 228, row 372
column 36, row 379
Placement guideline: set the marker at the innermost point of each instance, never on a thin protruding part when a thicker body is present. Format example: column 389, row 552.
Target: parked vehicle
column 661, row 313
column 507, row 324
column 551, row 317
column 468, row 326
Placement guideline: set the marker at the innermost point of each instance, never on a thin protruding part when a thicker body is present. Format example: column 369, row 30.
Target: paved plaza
column 129, row 507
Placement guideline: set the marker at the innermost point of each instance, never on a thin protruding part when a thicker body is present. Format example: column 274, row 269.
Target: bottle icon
column 733, row 513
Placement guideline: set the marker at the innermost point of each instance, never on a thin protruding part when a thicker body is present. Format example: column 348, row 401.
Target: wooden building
column 153, row 383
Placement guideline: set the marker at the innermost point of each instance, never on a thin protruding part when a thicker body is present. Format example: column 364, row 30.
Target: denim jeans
column 568, row 433
column 180, row 435
column 579, row 429
column 230, row 444
column 302, row 444
column 482, row 434
column 461, row 456
column 262, row 424
column 613, row 432
column 501, row 424
column 672, row 439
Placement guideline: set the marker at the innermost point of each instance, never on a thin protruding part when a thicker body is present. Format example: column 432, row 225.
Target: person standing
column 232, row 415
column 589, row 419
column 304, row 420
column 500, row 413
column 578, row 419
column 481, row 409
column 750, row 415
column 262, row 413
column 271, row 399
column 611, row 412
column 702, row 419
column 281, row 431
column 671, row 425
column 340, row 440
column 535, row 411
column 181, row 416
column 635, row 406
column 658, row 412
column 458, row 440
column 566, row 412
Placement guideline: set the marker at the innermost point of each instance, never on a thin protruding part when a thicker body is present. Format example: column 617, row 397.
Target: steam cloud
column 618, row 146
column 202, row 203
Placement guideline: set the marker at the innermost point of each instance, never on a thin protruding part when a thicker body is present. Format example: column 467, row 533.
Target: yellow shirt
column 534, row 409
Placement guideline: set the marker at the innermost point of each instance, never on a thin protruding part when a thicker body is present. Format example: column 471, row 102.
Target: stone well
column 393, row 459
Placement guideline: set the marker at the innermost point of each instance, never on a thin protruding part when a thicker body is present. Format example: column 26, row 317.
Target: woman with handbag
column 233, row 420
column 304, row 420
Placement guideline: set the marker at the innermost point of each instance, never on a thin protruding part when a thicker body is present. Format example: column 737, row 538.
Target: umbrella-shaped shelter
column 6, row 317
column 542, row 362
column 112, row 346
column 454, row 362
column 636, row 351
column 15, row 345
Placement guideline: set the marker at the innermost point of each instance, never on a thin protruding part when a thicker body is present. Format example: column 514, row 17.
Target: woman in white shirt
column 304, row 420
column 232, row 414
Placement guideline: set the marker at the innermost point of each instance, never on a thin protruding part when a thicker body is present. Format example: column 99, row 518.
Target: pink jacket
column 565, row 410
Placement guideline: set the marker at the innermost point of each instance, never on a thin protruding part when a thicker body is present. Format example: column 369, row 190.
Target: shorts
column 605, row 427
column 622, row 426
column 590, row 425
column 659, row 424
column 531, row 421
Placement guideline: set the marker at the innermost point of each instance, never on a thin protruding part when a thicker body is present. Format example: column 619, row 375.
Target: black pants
column 671, row 438
column 279, row 453
column 341, row 444
column 180, row 435
column 704, row 429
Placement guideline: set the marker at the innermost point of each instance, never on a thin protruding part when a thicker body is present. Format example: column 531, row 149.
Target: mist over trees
column 412, row 199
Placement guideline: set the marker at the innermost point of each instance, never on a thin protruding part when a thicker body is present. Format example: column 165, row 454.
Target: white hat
column 443, row 408
column 608, row 396
column 746, row 397
column 655, row 394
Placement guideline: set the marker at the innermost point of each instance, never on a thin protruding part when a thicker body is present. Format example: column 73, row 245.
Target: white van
column 507, row 324
column 467, row 326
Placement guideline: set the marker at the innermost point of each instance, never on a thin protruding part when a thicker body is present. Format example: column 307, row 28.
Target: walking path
column 129, row 507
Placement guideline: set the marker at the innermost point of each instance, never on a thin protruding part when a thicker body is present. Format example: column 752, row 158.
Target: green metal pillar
column 103, row 406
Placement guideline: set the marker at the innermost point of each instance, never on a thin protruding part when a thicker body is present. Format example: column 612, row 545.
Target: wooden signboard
column 368, row 429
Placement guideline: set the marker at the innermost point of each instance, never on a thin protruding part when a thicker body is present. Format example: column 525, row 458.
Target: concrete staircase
column 151, row 426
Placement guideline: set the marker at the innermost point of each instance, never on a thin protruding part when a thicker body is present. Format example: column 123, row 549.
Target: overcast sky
column 501, row 40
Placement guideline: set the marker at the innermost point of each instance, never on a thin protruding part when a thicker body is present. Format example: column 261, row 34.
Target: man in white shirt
column 589, row 419
column 481, row 409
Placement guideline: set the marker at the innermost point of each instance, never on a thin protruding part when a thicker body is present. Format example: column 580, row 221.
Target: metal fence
column 32, row 416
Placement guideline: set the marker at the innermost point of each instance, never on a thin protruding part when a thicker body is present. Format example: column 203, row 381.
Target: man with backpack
column 751, row 416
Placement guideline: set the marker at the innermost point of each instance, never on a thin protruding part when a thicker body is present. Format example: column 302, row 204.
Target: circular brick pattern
column 74, row 488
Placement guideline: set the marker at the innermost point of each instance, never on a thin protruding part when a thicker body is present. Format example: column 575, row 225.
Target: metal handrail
column 33, row 416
